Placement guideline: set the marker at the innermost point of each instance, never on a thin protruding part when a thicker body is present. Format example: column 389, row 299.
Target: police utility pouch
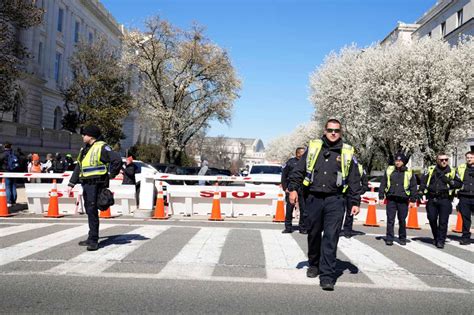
column 105, row 199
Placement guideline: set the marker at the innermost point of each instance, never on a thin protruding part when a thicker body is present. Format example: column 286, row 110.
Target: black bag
column 105, row 199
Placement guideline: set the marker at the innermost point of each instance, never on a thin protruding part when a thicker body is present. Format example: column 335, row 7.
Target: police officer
column 327, row 172
column 465, row 173
column 95, row 159
column 290, row 164
column 437, row 185
column 349, row 219
column 398, row 186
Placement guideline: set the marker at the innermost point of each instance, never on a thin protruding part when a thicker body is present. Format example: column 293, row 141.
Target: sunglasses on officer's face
column 443, row 160
column 331, row 130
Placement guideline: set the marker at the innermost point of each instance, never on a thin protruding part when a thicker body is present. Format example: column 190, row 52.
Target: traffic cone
column 53, row 207
column 458, row 228
column 216, row 208
column 160, row 205
column 280, row 209
column 413, row 219
column 106, row 214
column 371, row 219
column 3, row 201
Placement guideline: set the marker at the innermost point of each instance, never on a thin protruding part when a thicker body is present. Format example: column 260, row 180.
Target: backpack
column 12, row 162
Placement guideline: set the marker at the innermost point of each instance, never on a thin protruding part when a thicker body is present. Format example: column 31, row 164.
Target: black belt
column 443, row 195
column 325, row 195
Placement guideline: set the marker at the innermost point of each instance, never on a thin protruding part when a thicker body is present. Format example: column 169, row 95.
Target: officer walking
column 465, row 172
column 349, row 219
column 437, row 185
column 328, row 173
column 287, row 168
column 95, row 159
column 398, row 186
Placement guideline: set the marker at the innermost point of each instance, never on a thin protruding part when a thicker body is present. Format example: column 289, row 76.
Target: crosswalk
column 211, row 254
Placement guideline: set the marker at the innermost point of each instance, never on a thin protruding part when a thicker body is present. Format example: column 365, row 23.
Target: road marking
column 283, row 256
column 382, row 271
column 22, row 228
column 21, row 250
column 469, row 248
column 98, row 261
column 457, row 266
column 199, row 256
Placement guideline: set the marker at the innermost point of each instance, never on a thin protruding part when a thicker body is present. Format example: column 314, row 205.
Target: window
column 40, row 52
column 460, row 17
column 58, row 116
column 91, row 37
column 76, row 31
column 60, row 19
column 57, row 67
column 443, row 29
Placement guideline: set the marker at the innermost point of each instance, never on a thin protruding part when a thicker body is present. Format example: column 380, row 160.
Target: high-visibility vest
column 361, row 170
column 91, row 165
column 406, row 179
column 462, row 170
column 431, row 169
column 314, row 149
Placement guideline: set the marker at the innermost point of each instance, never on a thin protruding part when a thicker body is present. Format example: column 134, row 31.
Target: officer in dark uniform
column 437, row 185
column 465, row 173
column 349, row 219
column 398, row 186
column 96, row 159
column 328, row 173
column 290, row 164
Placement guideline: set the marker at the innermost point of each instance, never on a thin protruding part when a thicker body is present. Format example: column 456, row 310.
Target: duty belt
column 440, row 195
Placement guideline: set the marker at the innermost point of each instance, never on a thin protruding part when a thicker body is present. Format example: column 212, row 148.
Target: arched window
column 58, row 116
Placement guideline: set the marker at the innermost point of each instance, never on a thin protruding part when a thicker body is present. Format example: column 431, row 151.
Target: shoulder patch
column 107, row 148
column 283, row 166
column 354, row 159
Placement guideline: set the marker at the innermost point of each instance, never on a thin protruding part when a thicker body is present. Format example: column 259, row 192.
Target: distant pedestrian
column 466, row 196
column 349, row 219
column 398, row 186
column 35, row 167
column 70, row 162
column 287, row 168
column 129, row 169
column 203, row 171
column 438, row 185
column 9, row 162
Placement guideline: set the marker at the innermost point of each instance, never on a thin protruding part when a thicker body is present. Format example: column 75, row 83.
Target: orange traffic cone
column 53, row 207
column 458, row 228
column 160, row 205
column 371, row 219
column 413, row 219
column 216, row 208
column 3, row 201
column 280, row 209
column 106, row 214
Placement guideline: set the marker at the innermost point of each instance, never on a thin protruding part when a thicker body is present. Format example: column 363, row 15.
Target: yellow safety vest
column 461, row 171
column 91, row 165
column 451, row 175
column 406, row 179
column 313, row 152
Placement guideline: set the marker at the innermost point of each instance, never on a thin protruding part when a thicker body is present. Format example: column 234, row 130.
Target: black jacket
column 107, row 156
column 325, row 173
column 467, row 189
column 287, row 168
column 397, row 189
column 440, row 184
column 129, row 174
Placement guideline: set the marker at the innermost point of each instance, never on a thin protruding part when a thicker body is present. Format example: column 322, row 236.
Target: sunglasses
column 443, row 160
column 331, row 130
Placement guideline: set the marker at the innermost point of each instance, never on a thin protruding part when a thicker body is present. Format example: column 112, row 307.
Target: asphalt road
column 183, row 266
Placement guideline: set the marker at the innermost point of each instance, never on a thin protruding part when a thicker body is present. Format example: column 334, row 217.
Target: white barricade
column 235, row 201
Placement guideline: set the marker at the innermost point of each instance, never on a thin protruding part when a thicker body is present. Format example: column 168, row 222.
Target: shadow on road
column 120, row 239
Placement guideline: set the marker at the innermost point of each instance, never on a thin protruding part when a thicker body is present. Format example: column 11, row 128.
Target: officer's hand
column 69, row 190
column 293, row 197
column 381, row 202
column 355, row 210
column 412, row 204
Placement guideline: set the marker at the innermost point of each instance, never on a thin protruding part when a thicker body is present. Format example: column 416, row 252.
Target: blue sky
column 275, row 46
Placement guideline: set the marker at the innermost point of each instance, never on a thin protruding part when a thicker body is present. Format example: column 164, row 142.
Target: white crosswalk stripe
column 457, row 266
column 96, row 262
column 381, row 270
column 285, row 262
column 469, row 248
column 199, row 257
column 21, row 228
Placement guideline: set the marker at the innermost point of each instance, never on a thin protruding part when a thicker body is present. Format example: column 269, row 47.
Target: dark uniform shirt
column 440, row 184
column 107, row 156
column 287, row 168
column 467, row 189
column 326, row 168
column 129, row 174
column 397, row 182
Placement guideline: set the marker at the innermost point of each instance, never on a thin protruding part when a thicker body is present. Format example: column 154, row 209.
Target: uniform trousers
column 396, row 208
column 324, row 214
column 466, row 207
column 289, row 212
column 90, row 193
column 438, row 211
column 349, row 219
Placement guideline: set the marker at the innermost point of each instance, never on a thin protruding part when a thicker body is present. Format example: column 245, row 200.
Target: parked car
column 265, row 172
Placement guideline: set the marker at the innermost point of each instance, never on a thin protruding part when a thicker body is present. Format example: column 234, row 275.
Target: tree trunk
column 163, row 155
